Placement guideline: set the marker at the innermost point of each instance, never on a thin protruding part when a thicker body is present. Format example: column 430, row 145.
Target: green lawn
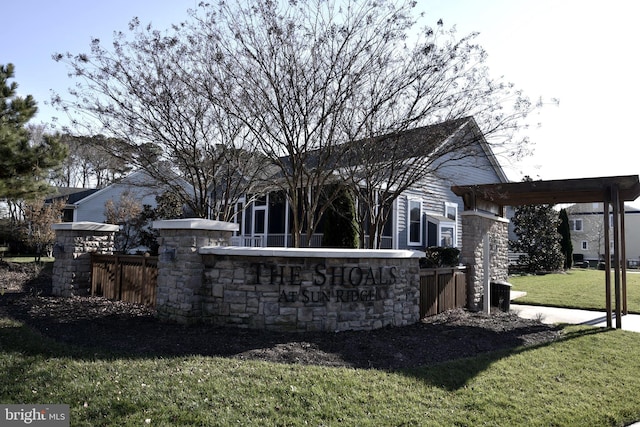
column 587, row 378
column 576, row 288
column 25, row 259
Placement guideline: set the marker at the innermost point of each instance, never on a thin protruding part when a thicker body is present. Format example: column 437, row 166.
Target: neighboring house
column 71, row 196
column 587, row 232
column 90, row 204
column 425, row 215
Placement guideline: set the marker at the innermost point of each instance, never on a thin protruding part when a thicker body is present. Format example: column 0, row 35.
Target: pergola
column 612, row 191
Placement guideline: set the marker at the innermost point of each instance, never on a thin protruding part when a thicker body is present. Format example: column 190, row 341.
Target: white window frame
column 573, row 225
column 442, row 232
column 447, row 224
column 449, row 210
column 238, row 216
column 447, row 207
column 411, row 202
column 584, row 245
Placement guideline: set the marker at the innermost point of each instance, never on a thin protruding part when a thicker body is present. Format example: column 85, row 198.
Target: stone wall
column 75, row 241
column 180, row 267
column 475, row 226
column 311, row 292
column 201, row 279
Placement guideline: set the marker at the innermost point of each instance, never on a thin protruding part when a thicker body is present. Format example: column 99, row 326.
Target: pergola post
column 607, row 259
column 615, row 200
column 623, row 257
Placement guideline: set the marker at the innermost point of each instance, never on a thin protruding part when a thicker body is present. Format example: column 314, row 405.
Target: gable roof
column 70, row 194
column 417, row 142
column 427, row 140
column 134, row 179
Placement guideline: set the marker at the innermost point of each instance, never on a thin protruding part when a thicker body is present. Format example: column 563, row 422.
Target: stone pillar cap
column 195, row 224
column 310, row 252
column 85, row 226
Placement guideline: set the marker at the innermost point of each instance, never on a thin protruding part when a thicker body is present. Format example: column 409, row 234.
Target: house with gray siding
column 586, row 223
column 427, row 214
column 91, row 207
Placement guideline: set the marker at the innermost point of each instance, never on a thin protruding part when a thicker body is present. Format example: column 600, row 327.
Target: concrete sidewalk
column 551, row 315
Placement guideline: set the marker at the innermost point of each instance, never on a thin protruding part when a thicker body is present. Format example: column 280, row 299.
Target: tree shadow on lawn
column 95, row 326
column 458, row 373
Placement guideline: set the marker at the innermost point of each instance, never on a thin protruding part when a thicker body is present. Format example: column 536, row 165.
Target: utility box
column 501, row 295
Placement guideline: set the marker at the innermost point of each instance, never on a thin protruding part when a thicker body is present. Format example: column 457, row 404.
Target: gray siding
column 435, row 192
column 92, row 208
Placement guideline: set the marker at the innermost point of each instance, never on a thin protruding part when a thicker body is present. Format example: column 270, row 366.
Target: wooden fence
column 130, row 278
column 442, row 289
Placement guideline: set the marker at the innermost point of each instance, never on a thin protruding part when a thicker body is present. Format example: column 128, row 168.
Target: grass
column 587, row 378
column 576, row 288
column 24, row 259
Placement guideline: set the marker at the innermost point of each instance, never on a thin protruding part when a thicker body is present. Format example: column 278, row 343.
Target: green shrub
column 439, row 256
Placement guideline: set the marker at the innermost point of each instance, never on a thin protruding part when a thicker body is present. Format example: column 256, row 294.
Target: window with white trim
column 442, row 227
column 448, row 230
column 584, row 245
column 414, row 228
column 451, row 211
column 447, row 236
column 575, row 224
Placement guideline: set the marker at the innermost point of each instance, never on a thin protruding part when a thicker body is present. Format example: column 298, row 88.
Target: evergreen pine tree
column 23, row 164
column 565, row 242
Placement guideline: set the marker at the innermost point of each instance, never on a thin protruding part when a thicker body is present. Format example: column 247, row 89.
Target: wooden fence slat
column 442, row 290
column 130, row 278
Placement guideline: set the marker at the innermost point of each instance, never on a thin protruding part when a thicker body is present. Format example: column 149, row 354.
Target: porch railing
column 278, row 241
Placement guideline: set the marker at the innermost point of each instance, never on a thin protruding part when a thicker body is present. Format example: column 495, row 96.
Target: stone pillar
column 180, row 266
column 74, row 243
column 475, row 226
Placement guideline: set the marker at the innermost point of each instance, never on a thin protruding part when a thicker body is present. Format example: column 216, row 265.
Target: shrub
column 439, row 256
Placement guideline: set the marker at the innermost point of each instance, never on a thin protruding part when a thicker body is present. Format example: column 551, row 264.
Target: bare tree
column 38, row 219
column 147, row 93
column 90, row 163
column 307, row 78
column 124, row 212
column 295, row 82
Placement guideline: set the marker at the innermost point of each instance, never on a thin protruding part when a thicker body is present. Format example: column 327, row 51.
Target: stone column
column 74, row 243
column 475, row 226
column 180, row 266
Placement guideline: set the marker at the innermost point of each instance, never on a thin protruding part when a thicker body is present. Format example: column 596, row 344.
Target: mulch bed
column 132, row 330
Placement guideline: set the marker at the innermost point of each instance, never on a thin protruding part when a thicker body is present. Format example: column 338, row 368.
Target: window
column 67, row 215
column 238, row 218
column 584, row 245
column 448, row 229
column 451, row 211
column 447, row 236
column 575, row 224
column 260, row 215
column 415, row 222
column 442, row 227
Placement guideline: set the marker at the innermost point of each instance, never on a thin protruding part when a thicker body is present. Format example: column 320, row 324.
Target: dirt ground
column 133, row 330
